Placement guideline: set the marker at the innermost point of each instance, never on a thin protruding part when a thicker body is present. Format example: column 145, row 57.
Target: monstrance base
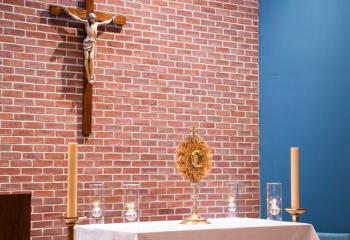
column 194, row 219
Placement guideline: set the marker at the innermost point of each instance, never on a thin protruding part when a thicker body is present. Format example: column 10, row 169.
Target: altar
column 219, row 229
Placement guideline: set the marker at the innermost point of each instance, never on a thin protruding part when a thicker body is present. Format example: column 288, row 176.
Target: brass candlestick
column 295, row 213
column 71, row 222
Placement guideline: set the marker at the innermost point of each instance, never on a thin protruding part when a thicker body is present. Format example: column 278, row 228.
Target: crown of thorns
column 91, row 15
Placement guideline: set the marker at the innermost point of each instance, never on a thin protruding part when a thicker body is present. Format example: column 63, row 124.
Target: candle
column 72, row 180
column 294, row 182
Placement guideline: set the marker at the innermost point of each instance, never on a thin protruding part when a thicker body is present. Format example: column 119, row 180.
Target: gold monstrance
column 194, row 163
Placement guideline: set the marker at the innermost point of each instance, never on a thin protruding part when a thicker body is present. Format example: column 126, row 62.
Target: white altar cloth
column 219, row 229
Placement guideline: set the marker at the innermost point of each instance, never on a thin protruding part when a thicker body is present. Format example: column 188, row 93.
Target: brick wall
column 175, row 64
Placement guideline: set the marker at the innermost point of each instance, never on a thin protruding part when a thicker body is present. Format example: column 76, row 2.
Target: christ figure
column 89, row 43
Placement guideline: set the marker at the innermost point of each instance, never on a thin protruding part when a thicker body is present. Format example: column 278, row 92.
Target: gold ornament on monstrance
column 194, row 161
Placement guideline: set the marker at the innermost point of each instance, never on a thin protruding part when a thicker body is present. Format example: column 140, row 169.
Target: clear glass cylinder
column 95, row 198
column 131, row 202
column 274, row 201
column 231, row 199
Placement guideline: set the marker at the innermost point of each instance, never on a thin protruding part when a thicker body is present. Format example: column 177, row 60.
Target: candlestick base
column 295, row 213
column 71, row 222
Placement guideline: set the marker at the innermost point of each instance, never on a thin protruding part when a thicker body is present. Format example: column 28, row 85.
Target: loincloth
column 88, row 45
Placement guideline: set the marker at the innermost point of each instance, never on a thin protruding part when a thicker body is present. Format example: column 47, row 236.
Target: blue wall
column 305, row 102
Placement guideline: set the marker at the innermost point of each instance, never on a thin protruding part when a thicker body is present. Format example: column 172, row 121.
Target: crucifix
column 92, row 20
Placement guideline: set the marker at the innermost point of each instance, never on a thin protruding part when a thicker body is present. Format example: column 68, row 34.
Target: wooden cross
column 100, row 17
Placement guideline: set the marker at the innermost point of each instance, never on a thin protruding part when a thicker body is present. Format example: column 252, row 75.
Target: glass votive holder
column 131, row 202
column 274, row 201
column 95, row 198
column 231, row 199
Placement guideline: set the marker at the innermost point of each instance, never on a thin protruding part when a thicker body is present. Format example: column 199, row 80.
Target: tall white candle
column 294, row 181
column 72, row 180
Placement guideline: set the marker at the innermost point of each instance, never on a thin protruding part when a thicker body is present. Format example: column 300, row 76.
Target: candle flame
column 96, row 203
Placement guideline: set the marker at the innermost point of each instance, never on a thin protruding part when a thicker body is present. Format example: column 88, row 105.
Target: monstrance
column 194, row 161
